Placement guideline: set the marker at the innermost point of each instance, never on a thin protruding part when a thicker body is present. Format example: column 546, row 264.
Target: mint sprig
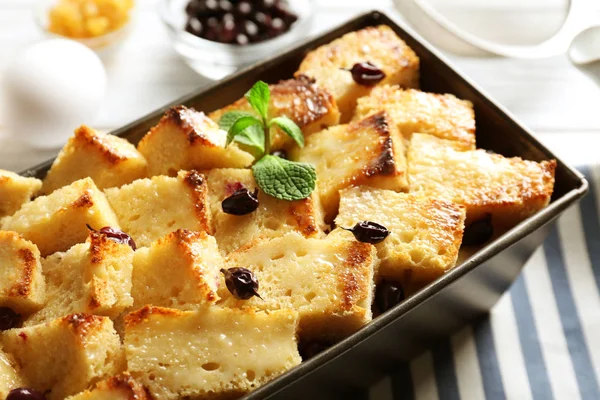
column 277, row 177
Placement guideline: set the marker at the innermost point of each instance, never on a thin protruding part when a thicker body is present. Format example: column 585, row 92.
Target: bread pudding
column 230, row 246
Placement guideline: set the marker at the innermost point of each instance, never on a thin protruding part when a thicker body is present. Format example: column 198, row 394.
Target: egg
column 50, row 89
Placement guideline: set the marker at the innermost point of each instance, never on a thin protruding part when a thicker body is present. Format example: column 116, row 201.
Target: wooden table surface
column 552, row 97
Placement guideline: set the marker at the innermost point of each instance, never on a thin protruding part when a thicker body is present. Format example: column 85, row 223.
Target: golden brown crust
column 299, row 99
column 190, row 122
column 87, row 136
column 84, row 201
column 139, row 316
column 124, row 382
column 82, row 324
column 196, row 182
column 29, row 263
column 384, row 163
column 358, row 256
column 303, row 213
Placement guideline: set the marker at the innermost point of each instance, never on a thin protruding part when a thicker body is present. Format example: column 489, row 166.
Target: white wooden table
column 552, row 97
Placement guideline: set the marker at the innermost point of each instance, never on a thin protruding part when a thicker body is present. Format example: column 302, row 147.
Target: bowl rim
column 298, row 27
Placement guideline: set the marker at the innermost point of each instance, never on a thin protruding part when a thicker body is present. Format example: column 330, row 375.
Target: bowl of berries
column 217, row 37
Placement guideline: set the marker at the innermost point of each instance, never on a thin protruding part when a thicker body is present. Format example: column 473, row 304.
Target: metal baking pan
column 452, row 301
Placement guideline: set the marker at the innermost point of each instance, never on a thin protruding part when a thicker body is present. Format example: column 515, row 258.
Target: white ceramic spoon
column 585, row 47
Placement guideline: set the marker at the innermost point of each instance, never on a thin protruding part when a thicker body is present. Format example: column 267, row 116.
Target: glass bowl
column 104, row 45
column 216, row 60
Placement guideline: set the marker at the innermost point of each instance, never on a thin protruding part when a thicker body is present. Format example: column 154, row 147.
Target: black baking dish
column 455, row 299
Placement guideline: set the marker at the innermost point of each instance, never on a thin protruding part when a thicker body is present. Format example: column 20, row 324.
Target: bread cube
column 9, row 375
column 58, row 221
column 273, row 217
column 64, row 356
column 109, row 160
column 92, row 277
column 509, row 189
column 413, row 111
column 328, row 281
column 187, row 139
column 118, row 387
column 179, row 270
column 425, row 233
column 22, row 286
column 366, row 152
column 379, row 45
column 211, row 352
column 148, row 209
column 299, row 99
column 15, row 190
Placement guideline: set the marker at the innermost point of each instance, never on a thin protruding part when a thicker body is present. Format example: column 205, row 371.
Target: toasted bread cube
column 509, row 189
column 65, row 355
column 211, row 352
column 367, row 152
column 118, row 387
column 328, row 281
column 413, row 111
column 425, row 233
column 273, row 217
column 109, row 160
column 299, row 99
column 148, row 209
column 180, row 270
column 380, row 46
column 15, row 190
column 58, row 221
column 22, row 286
column 9, row 375
column 92, row 278
column 187, row 139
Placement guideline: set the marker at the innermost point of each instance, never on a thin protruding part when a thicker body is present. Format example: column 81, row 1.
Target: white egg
column 52, row 88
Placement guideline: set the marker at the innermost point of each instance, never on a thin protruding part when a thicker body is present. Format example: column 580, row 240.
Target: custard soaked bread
column 301, row 100
column 151, row 208
column 425, row 233
column 15, row 190
column 92, row 277
column 508, row 189
column 273, row 217
column 413, row 111
column 109, row 160
column 208, row 353
column 58, row 221
column 366, row 152
column 9, row 374
column 22, row 286
column 118, row 387
column 187, row 139
column 64, row 356
column 328, row 281
column 380, row 46
column 180, row 270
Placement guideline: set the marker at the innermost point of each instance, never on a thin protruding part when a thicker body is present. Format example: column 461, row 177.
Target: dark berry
column 277, row 27
column 280, row 154
column 262, row 19
column 225, row 5
column 250, row 29
column 478, row 232
column 388, row 294
column 244, row 8
column 25, row 394
column 241, row 202
column 194, row 26
column 228, row 31
column 310, row 349
column 369, row 232
column 116, row 235
column 242, row 39
column 241, row 282
column 8, row 318
column 366, row 74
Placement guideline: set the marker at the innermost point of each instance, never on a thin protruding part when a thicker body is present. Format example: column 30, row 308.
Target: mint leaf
column 258, row 96
column 252, row 140
column 240, row 125
column 228, row 119
column 290, row 128
column 283, row 179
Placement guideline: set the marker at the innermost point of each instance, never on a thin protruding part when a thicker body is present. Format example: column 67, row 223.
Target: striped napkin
column 541, row 341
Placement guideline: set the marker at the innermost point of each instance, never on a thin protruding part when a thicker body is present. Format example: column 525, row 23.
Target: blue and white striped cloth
column 541, row 341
